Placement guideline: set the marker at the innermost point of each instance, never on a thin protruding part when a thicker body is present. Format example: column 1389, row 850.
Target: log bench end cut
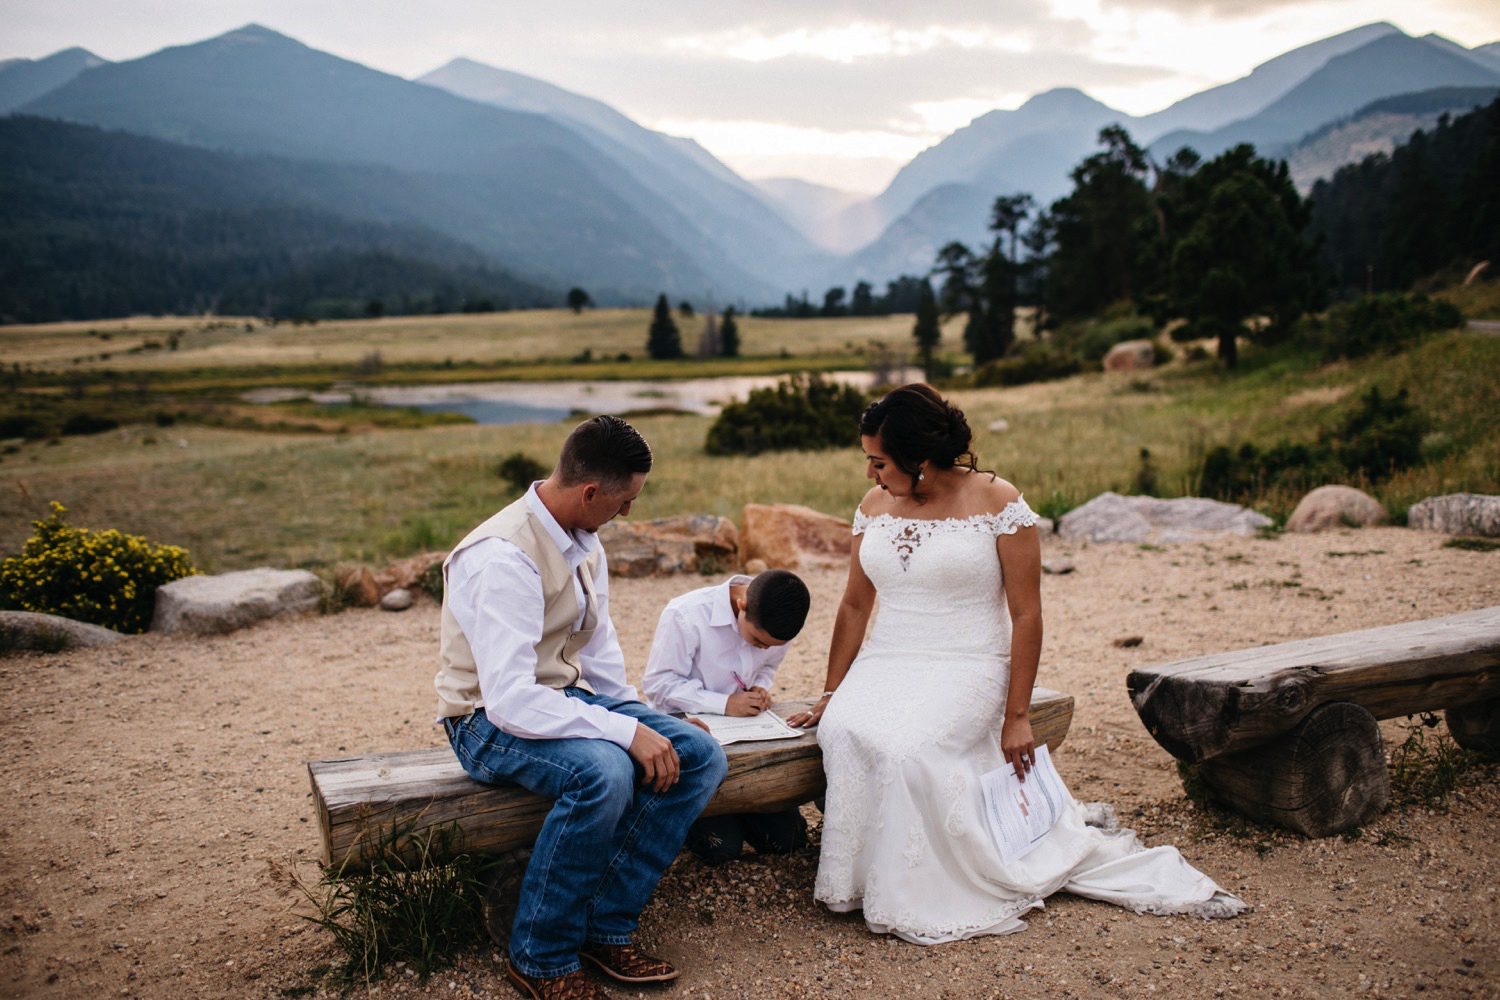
column 366, row 804
column 1288, row 733
column 1200, row 708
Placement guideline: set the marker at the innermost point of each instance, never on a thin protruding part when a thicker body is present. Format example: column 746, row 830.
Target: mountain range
column 506, row 175
column 1033, row 148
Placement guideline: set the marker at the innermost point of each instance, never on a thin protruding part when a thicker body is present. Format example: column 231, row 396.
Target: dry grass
column 1481, row 300
column 241, row 497
column 143, row 344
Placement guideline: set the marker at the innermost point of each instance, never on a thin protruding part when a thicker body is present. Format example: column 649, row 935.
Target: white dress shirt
column 697, row 651
column 495, row 593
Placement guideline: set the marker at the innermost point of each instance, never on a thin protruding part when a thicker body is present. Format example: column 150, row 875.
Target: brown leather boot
column 576, row 985
column 628, row 964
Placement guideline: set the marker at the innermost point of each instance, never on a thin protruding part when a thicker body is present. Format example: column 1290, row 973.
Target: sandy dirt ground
column 149, row 786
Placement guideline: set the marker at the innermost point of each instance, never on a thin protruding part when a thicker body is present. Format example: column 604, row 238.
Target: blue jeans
column 607, row 839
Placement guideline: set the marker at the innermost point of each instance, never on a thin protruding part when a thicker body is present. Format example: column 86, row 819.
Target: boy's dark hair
column 605, row 450
column 777, row 601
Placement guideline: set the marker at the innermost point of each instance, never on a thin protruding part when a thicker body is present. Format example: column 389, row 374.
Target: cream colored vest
column 457, row 678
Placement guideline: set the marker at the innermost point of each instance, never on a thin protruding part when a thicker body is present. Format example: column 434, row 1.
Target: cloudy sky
column 841, row 93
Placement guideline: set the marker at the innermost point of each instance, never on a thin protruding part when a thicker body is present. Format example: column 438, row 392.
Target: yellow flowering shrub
column 106, row 578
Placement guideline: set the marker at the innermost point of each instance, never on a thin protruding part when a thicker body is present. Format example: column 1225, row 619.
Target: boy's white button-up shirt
column 697, row 651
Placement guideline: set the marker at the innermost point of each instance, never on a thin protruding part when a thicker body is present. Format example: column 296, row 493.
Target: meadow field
column 167, row 345
column 238, row 496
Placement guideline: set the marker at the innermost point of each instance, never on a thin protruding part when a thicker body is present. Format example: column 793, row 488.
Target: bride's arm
column 1021, row 566
column 848, row 634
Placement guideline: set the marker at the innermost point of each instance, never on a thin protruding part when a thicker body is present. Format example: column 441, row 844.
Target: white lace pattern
column 914, row 724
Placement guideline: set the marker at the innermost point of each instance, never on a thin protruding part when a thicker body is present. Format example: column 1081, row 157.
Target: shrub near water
column 105, row 578
column 803, row 413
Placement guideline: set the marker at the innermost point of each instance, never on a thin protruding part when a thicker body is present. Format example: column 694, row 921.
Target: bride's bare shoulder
column 876, row 502
column 992, row 494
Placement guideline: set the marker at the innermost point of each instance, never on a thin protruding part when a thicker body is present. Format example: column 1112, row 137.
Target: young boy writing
column 716, row 652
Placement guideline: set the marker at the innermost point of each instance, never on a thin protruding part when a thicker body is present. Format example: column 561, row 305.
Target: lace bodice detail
column 939, row 579
column 1016, row 515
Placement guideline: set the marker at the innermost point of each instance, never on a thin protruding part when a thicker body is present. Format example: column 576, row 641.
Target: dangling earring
column 921, row 476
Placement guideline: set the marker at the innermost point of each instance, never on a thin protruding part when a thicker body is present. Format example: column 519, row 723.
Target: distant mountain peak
column 254, row 32
column 1063, row 99
column 78, row 52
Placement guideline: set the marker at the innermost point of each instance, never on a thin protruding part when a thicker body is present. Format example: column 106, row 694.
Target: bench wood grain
column 1200, row 708
column 360, row 800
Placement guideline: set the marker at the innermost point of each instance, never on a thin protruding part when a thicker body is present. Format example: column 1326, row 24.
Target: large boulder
column 1457, row 514
column 49, row 633
column 209, row 604
column 690, row 543
column 1329, row 507
column 787, row 536
column 1110, row 517
column 1130, row 356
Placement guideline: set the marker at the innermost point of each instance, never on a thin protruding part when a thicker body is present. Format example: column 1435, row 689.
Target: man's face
column 601, row 507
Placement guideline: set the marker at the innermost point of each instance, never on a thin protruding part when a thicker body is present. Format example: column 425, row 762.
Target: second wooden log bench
column 362, row 800
column 1287, row 733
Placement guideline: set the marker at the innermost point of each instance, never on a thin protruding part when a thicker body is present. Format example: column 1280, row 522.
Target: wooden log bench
column 1287, row 733
column 362, row 800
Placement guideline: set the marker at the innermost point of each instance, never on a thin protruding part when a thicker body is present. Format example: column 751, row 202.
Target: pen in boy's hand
column 738, row 680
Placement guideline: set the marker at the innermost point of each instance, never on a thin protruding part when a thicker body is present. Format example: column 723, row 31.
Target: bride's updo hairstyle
column 914, row 425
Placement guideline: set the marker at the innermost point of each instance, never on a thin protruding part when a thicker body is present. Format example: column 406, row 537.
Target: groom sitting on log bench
column 532, row 691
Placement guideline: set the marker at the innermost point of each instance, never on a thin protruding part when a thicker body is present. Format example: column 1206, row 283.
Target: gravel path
column 152, row 783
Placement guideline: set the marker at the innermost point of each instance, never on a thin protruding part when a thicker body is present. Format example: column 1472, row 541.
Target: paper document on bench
column 1021, row 813
column 734, row 728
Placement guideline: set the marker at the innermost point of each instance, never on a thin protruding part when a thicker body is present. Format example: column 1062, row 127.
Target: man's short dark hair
column 777, row 601
column 604, row 450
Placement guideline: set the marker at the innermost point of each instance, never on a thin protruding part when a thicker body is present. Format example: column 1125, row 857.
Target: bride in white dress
column 911, row 710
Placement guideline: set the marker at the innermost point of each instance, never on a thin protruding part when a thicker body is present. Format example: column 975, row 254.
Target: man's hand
column 693, row 720
column 751, row 702
column 654, row 753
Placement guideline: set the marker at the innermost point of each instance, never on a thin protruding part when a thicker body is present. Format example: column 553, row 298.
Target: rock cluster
column 210, row 604
column 1330, row 507
column 788, row 536
column 692, row 543
column 1110, row 517
column 1131, row 356
column 26, row 630
column 1457, row 514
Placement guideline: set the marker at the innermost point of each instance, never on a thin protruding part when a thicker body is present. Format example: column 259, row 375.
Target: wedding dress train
column 915, row 723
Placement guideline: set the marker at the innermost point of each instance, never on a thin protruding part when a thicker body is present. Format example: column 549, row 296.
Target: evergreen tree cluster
column 1432, row 205
column 1222, row 245
column 901, row 296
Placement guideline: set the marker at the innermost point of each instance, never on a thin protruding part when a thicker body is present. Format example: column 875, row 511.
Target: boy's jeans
column 607, row 839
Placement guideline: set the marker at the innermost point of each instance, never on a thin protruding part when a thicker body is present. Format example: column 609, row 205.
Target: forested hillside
column 99, row 223
column 1432, row 204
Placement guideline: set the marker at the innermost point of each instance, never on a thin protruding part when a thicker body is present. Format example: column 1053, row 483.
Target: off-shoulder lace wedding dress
column 914, row 724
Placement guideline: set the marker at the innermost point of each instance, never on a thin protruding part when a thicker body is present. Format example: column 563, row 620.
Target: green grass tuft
column 402, row 906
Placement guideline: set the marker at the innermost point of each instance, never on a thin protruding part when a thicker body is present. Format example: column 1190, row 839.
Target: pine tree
column 1242, row 251
column 663, row 342
column 928, row 330
column 729, row 335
